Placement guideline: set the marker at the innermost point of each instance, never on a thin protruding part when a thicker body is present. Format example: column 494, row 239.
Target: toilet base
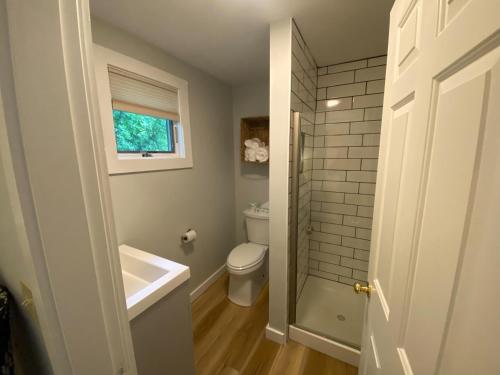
column 244, row 289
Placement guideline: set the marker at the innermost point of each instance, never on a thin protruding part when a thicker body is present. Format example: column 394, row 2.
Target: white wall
column 153, row 209
column 15, row 266
column 251, row 181
column 279, row 108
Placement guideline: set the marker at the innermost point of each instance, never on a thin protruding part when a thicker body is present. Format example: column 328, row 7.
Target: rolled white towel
column 250, row 154
column 252, row 143
column 261, row 154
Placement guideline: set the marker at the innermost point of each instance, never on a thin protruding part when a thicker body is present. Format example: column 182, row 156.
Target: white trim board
column 275, row 335
column 200, row 289
column 324, row 345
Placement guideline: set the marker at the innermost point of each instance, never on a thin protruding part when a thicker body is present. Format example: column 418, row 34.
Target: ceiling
column 230, row 38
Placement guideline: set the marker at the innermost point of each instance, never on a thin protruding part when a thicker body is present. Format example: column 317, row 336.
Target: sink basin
column 147, row 278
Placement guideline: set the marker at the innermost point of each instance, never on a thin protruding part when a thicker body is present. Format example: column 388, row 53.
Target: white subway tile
column 319, row 118
column 313, row 264
column 360, row 275
column 373, row 113
column 343, row 164
column 345, row 116
column 363, row 152
column 365, row 127
column 324, row 257
column 361, row 254
column 369, row 164
column 346, row 90
column 321, row 94
column 365, row 211
column 363, row 233
column 325, row 237
column 347, row 66
column 354, row 263
column 343, row 140
column 359, row 199
column 322, row 70
column 313, row 245
column 338, row 208
column 366, row 101
column 373, row 87
column 347, row 280
column 315, row 206
column 326, row 217
column 330, row 152
column 334, row 104
column 375, row 61
column 371, row 139
column 355, row 221
column 333, row 129
column 333, row 268
column 361, row 176
column 370, row 74
column 366, row 188
column 316, row 185
column 336, row 79
column 356, row 243
column 328, row 175
column 336, row 249
column 319, row 141
column 341, row 187
column 326, row 196
column 316, row 225
column 317, row 163
column 337, row 229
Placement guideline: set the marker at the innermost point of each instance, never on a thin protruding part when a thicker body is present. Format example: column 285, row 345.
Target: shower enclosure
column 334, row 135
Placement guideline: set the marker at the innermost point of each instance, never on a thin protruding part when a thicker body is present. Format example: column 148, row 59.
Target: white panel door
column 435, row 261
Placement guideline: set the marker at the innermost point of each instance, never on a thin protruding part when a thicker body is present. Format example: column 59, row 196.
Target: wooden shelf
column 253, row 127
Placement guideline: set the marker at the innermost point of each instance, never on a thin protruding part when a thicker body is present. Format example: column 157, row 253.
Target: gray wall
column 29, row 349
column 251, row 181
column 153, row 209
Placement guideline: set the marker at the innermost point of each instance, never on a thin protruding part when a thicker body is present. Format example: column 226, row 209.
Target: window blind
column 134, row 93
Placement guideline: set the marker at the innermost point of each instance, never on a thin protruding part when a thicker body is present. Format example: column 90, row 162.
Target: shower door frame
column 302, row 335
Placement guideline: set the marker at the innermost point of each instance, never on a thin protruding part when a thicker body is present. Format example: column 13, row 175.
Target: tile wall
column 345, row 155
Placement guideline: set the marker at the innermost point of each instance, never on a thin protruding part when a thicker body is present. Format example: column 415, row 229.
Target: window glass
column 143, row 133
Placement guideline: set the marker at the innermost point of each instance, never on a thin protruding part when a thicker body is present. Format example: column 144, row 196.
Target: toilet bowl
column 247, row 263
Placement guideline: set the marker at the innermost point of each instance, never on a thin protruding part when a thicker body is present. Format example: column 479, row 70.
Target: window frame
column 118, row 162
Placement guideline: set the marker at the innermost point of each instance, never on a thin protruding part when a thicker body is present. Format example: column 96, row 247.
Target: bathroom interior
column 224, row 197
column 236, row 147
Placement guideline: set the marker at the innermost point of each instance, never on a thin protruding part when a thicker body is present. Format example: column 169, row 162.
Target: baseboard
column 324, row 345
column 198, row 291
column 275, row 335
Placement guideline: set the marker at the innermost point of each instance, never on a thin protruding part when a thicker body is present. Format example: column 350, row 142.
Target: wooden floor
column 230, row 340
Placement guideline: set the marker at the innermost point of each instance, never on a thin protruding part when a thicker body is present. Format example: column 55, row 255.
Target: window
column 139, row 133
column 144, row 115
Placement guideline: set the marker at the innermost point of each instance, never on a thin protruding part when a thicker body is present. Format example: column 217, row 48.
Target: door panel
column 424, row 316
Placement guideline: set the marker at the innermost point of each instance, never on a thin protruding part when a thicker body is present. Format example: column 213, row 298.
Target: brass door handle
column 358, row 288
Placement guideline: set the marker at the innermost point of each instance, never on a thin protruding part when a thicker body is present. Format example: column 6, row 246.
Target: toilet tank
column 257, row 220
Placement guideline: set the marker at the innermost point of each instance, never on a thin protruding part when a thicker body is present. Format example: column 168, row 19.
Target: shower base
column 331, row 309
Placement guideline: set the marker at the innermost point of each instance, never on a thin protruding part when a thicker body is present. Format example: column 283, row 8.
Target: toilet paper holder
column 189, row 236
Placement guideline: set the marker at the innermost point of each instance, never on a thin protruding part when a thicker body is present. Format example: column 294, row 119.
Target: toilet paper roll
column 189, row 236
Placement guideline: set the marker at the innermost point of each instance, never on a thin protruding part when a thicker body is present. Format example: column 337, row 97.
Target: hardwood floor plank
column 230, row 340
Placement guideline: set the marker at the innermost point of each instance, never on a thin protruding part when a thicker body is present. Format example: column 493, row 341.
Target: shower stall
column 334, row 138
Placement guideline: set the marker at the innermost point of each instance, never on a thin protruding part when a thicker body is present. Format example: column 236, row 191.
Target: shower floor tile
column 331, row 309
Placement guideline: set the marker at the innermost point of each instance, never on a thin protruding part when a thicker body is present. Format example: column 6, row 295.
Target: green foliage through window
column 141, row 133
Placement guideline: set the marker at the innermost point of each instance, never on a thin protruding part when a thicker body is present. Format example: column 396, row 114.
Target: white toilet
column 247, row 263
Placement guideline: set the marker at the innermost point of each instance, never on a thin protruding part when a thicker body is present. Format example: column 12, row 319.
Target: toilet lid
column 246, row 255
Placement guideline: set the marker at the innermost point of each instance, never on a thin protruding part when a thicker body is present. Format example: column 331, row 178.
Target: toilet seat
column 246, row 257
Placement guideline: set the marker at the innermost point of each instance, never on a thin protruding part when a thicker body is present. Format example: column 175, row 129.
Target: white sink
column 147, row 278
